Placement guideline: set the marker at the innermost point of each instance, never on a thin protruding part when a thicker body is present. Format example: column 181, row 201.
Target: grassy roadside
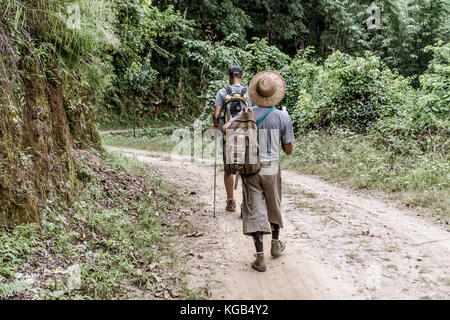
column 151, row 139
column 113, row 242
column 111, row 121
column 415, row 178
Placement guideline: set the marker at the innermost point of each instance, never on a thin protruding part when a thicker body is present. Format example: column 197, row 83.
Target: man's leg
column 259, row 264
column 254, row 211
column 258, row 240
column 272, row 189
column 275, row 231
column 254, row 215
column 278, row 246
column 229, row 183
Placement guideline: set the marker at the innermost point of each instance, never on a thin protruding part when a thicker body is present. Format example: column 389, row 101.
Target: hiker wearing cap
column 262, row 191
column 229, row 102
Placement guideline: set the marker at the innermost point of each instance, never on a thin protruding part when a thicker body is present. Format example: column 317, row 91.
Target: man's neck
column 235, row 83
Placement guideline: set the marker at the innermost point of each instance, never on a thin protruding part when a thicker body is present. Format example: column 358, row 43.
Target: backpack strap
column 260, row 120
column 229, row 92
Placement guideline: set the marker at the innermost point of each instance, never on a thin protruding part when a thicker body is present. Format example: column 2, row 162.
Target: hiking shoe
column 260, row 263
column 231, row 205
column 277, row 248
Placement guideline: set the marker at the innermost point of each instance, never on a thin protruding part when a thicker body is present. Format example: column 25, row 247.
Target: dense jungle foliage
column 379, row 69
column 167, row 58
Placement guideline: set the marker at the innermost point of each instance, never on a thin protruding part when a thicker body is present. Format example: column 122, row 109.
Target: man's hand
column 226, row 126
column 287, row 148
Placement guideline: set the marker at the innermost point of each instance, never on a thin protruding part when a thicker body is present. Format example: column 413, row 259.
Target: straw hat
column 267, row 88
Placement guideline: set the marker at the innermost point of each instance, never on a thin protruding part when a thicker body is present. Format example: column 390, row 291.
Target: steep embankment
column 37, row 128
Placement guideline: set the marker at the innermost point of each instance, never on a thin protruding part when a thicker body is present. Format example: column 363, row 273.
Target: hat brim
column 267, row 102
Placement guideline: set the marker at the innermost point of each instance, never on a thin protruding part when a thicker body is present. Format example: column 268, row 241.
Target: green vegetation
column 417, row 178
column 290, row 25
column 359, row 122
column 163, row 58
column 118, row 233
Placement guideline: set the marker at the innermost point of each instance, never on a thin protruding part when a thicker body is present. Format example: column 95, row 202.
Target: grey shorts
column 262, row 200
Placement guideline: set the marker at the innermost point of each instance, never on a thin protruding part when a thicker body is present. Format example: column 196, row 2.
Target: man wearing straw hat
column 262, row 191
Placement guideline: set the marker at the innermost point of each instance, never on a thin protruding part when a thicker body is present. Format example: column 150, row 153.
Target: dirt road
column 341, row 243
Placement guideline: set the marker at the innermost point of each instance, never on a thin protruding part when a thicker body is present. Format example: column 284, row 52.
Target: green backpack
column 241, row 151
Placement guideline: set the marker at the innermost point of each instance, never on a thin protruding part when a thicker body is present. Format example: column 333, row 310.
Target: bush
column 434, row 101
column 426, row 118
column 262, row 56
column 300, row 76
column 350, row 92
column 435, row 83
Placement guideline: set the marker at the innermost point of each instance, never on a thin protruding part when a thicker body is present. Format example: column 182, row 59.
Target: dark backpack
column 235, row 102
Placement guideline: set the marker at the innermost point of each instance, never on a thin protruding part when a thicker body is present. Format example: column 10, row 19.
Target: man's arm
column 287, row 133
column 218, row 108
column 216, row 116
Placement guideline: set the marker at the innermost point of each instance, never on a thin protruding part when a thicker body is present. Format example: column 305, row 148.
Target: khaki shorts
column 262, row 200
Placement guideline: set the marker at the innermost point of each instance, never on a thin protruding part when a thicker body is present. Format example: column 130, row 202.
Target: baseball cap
column 235, row 70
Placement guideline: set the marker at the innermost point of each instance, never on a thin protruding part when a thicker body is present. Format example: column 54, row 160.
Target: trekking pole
column 215, row 169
